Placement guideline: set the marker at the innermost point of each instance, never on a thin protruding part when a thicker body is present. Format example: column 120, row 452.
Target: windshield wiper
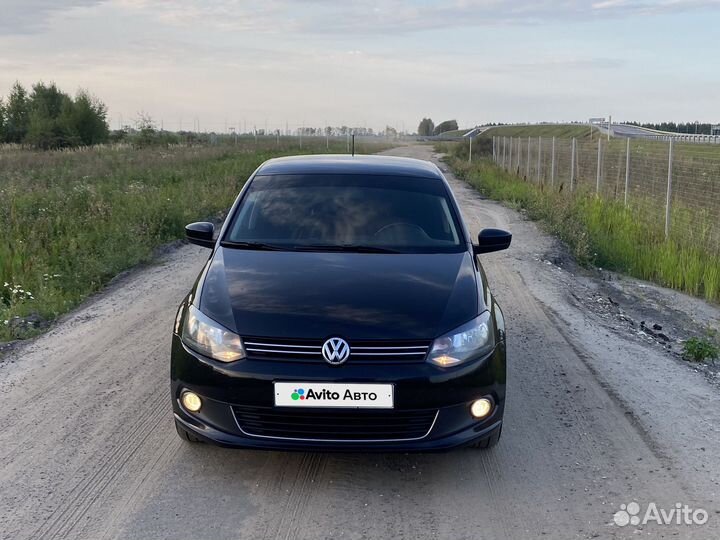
column 348, row 248
column 254, row 245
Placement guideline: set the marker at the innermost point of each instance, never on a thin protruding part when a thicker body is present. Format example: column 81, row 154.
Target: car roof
column 346, row 164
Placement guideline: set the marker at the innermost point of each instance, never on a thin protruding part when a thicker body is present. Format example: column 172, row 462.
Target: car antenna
column 353, row 144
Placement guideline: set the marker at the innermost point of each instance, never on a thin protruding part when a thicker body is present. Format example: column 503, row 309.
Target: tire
column 488, row 442
column 185, row 435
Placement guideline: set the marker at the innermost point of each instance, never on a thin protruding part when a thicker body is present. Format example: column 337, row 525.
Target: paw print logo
column 627, row 515
column 298, row 393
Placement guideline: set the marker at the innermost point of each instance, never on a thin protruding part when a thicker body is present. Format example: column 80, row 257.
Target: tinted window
column 398, row 213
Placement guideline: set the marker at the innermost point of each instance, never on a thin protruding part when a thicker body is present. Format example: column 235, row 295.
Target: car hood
column 354, row 295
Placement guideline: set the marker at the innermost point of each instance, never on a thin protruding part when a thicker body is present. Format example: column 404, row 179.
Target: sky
column 216, row 64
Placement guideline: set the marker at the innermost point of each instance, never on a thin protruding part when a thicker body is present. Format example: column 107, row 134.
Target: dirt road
column 595, row 418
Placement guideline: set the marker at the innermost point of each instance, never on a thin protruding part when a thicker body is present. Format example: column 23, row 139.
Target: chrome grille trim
column 389, row 348
column 282, row 351
column 310, row 350
column 387, row 354
column 281, row 345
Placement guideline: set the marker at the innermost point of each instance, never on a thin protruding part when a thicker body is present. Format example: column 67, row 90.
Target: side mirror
column 201, row 234
column 492, row 240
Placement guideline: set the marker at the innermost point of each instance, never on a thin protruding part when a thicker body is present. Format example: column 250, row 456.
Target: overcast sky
column 371, row 62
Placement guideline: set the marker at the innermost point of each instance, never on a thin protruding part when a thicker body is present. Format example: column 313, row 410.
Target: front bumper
column 418, row 386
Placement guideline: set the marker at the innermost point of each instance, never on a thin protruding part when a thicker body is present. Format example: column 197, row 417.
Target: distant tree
column 89, row 119
column 50, row 123
column 147, row 134
column 49, row 118
column 700, row 128
column 2, row 121
column 17, row 113
column 447, row 125
column 146, row 131
column 390, row 131
column 426, row 127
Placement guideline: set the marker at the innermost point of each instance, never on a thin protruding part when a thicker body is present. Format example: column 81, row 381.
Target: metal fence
column 672, row 186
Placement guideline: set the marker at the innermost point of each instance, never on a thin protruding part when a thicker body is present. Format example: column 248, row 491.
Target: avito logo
column 325, row 394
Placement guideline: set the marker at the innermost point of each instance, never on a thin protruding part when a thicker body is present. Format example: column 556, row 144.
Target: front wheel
column 488, row 442
column 185, row 435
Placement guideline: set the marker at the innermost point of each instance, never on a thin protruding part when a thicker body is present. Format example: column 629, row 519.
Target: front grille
column 310, row 350
column 334, row 424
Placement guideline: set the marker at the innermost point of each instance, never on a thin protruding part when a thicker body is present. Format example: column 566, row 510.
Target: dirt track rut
column 88, row 448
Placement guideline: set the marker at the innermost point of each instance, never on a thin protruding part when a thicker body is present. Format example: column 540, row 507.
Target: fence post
column 519, row 152
column 552, row 164
column 493, row 140
column 627, row 170
column 572, row 165
column 669, row 191
column 539, row 154
column 509, row 166
column 527, row 174
column 504, row 151
column 470, row 156
column 599, row 164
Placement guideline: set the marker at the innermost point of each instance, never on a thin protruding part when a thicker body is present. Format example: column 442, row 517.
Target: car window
column 403, row 214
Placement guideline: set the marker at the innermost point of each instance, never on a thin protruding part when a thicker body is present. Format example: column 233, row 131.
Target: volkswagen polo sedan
column 343, row 307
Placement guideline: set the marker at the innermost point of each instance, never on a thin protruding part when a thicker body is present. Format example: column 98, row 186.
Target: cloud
column 371, row 61
column 368, row 17
column 323, row 17
column 566, row 65
column 24, row 16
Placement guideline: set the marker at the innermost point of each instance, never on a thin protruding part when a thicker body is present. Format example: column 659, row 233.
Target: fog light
column 480, row 408
column 191, row 401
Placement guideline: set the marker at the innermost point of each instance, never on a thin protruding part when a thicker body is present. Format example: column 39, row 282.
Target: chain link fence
column 672, row 186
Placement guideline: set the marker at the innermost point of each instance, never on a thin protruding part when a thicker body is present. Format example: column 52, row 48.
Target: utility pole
column 609, row 126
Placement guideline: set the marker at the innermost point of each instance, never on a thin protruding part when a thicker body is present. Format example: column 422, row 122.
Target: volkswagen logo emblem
column 335, row 351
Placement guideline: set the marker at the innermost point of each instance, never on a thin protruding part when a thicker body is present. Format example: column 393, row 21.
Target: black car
column 343, row 307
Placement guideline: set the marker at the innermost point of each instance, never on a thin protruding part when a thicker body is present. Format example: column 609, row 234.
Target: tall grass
column 604, row 232
column 71, row 221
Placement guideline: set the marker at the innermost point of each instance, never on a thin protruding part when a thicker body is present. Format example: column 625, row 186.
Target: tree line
column 427, row 127
column 48, row 118
column 699, row 128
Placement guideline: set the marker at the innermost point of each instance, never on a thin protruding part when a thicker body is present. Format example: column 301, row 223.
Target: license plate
column 353, row 396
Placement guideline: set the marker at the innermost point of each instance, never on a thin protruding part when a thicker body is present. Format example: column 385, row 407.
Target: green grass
column 454, row 133
column 72, row 220
column 541, row 130
column 698, row 349
column 603, row 232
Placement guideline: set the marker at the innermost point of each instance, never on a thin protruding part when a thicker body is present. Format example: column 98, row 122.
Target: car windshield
column 352, row 212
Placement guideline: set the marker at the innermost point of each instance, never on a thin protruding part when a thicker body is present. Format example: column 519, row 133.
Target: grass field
column 542, row 130
column 601, row 231
column 73, row 220
column 454, row 133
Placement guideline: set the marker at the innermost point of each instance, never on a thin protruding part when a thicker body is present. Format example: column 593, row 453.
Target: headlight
column 207, row 337
column 472, row 339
